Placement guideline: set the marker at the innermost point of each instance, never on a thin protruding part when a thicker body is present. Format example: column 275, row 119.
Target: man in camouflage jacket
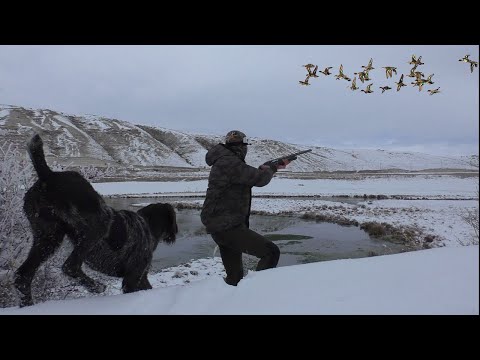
column 226, row 209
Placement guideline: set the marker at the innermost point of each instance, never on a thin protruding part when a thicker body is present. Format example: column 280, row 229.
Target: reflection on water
column 309, row 241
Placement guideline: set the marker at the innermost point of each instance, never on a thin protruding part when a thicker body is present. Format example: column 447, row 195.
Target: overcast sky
column 212, row 89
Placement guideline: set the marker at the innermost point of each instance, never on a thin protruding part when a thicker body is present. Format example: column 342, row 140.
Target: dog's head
column 162, row 220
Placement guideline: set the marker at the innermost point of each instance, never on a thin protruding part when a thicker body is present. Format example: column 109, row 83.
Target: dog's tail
column 35, row 151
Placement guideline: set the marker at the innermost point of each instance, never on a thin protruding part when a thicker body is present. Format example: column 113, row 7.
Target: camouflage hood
column 221, row 150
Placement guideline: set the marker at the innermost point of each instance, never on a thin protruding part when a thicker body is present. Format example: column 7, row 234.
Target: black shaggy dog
column 118, row 243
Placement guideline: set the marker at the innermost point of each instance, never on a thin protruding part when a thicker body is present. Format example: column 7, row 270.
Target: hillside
column 82, row 140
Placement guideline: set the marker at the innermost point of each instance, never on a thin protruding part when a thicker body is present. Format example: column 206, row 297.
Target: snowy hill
column 89, row 139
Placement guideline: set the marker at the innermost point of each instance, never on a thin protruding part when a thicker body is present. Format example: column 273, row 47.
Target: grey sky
column 213, row 89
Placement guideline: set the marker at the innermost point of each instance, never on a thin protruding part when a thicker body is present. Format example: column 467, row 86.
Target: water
column 300, row 241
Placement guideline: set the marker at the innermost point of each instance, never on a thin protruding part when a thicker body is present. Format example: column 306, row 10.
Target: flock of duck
column 363, row 75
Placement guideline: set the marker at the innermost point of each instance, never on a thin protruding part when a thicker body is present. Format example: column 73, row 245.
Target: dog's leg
column 132, row 283
column 144, row 283
column 73, row 265
column 136, row 275
column 47, row 238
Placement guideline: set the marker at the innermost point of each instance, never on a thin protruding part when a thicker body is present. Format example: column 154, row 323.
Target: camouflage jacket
column 229, row 194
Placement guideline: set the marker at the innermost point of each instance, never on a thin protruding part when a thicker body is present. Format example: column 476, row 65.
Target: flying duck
column 400, row 83
column 305, row 82
column 327, row 71
column 354, row 84
column 385, row 88
column 368, row 90
column 389, row 70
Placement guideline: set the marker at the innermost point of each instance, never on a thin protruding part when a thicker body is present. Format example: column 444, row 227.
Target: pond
column 300, row 240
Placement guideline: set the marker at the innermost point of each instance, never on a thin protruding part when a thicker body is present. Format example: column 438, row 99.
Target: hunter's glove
column 270, row 165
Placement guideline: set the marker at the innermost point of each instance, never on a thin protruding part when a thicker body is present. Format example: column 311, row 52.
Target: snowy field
column 441, row 280
column 421, row 185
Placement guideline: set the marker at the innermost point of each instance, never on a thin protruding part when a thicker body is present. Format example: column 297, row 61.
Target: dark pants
column 232, row 243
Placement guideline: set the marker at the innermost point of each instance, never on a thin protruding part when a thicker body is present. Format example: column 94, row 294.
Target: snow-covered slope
column 129, row 144
column 91, row 139
column 86, row 139
column 183, row 144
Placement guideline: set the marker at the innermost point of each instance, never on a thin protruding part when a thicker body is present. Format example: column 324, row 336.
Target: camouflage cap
column 236, row 136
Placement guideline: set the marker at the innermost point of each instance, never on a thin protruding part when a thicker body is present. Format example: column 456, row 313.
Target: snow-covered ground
column 436, row 281
column 442, row 280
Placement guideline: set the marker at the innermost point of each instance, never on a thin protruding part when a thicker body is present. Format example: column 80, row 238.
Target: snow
column 120, row 126
column 66, row 122
column 420, row 185
column 394, row 185
column 326, row 159
column 441, row 281
column 382, row 159
column 96, row 122
column 3, row 115
column 141, row 150
column 130, row 144
column 147, row 187
column 186, row 146
column 4, row 112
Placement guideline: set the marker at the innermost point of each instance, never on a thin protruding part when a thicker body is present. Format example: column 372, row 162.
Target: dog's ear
column 161, row 219
column 148, row 213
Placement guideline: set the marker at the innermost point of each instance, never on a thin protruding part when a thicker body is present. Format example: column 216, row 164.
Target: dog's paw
column 92, row 285
column 26, row 302
column 99, row 288
column 24, row 299
column 96, row 287
column 23, row 293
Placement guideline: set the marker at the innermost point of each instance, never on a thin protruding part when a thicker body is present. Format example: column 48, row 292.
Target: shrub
column 16, row 176
column 470, row 217
column 373, row 229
